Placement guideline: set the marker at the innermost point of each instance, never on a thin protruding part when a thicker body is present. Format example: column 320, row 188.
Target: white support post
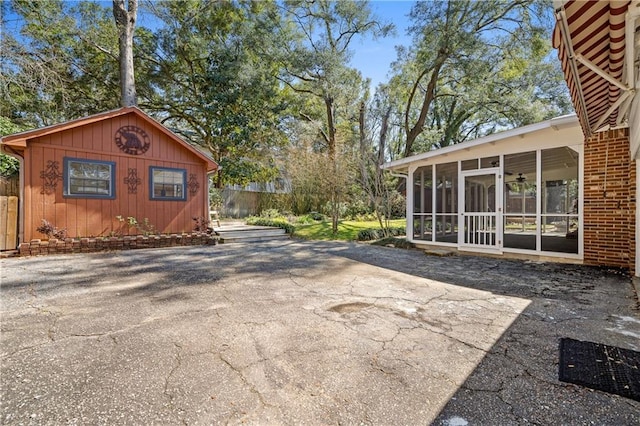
column 443, row 201
column 539, row 193
column 434, row 189
column 409, row 212
column 422, row 204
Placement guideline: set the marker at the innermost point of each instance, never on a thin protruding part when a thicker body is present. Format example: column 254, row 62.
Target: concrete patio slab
column 291, row 332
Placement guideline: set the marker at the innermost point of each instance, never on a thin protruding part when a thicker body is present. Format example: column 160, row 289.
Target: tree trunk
column 363, row 147
column 125, row 23
column 331, row 147
column 331, row 129
column 382, row 192
column 418, row 128
column 384, row 129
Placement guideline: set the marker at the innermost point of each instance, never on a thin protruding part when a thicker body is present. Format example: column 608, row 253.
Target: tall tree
column 125, row 17
column 37, row 67
column 379, row 187
column 64, row 62
column 216, row 84
column 317, row 67
column 469, row 69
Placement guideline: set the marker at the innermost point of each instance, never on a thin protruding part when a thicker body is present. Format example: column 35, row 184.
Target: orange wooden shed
column 82, row 174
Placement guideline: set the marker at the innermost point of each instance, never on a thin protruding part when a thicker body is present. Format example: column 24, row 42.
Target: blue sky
column 374, row 57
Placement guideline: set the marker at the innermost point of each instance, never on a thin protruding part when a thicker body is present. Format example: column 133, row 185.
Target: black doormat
column 597, row 366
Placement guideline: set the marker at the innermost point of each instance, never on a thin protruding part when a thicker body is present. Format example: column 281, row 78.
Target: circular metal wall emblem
column 132, row 140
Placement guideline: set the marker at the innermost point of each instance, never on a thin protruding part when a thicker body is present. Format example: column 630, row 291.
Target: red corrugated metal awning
column 590, row 38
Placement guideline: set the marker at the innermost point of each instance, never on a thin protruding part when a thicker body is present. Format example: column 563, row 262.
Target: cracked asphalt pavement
column 294, row 332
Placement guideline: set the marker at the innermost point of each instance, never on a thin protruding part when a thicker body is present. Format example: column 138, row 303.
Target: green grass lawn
column 347, row 229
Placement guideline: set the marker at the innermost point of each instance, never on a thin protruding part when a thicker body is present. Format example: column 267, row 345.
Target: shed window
column 89, row 178
column 168, row 184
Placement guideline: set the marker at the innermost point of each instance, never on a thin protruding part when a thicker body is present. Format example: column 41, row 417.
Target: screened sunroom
column 517, row 191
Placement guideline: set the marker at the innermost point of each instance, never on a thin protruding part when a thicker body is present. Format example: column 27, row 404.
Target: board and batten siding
column 90, row 217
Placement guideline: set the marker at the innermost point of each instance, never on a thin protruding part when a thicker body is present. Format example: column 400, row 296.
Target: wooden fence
column 9, row 186
column 8, row 222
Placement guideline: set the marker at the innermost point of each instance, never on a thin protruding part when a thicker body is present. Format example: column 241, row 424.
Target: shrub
column 261, row 221
column 216, row 198
column 396, row 242
column 202, row 224
column 48, row 229
column 9, row 166
column 368, row 234
column 145, row 227
column 317, row 216
column 311, row 217
column 358, row 209
column 328, row 209
column 376, row 234
column 270, row 213
column 303, row 220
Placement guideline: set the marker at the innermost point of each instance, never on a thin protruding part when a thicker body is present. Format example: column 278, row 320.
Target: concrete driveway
column 303, row 333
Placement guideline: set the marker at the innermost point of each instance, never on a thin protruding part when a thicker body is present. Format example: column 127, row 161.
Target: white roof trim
column 554, row 123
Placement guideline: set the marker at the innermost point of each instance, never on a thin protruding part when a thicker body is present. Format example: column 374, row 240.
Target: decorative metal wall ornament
column 132, row 180
column 132, row 140
column 51, row 175
column 193, row 184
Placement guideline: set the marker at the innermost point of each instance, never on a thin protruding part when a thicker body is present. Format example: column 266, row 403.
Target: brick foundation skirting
column 90, row 245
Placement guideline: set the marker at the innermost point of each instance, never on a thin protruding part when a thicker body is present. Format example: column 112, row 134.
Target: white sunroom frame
column 555, row 133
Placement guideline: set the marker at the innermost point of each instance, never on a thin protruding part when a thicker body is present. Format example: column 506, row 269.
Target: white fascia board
column 554, row 123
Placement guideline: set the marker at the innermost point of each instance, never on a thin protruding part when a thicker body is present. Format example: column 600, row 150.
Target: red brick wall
column 90, row 245
column 609, row 200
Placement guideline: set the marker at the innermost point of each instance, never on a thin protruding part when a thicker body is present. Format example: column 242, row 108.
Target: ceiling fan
column 521, row 178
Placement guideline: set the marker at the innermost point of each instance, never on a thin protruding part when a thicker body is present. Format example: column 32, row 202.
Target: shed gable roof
column 20, row 140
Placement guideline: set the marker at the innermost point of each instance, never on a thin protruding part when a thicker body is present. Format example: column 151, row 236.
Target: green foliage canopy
column 474, row 67
column 216, row 86
column 9, row 166
column 266, row 86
